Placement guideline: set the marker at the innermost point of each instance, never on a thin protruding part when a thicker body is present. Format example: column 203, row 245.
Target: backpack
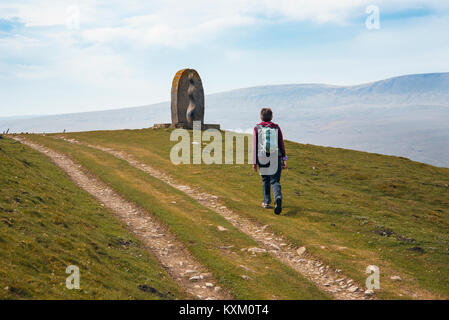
column 267, row 140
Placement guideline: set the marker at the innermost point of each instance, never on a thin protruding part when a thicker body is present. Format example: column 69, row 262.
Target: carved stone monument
column 187, row 101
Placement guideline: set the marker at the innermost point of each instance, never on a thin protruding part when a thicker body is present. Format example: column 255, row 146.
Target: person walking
column 270, row 157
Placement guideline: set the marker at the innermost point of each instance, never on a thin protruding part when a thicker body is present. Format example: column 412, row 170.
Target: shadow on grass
column 292, row 211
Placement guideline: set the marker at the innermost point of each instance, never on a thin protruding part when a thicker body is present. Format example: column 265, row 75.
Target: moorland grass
column 48, row 223
column 351, row 209
column 196, row 226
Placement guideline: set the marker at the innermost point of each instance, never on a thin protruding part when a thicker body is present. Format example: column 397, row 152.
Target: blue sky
column 61, row 56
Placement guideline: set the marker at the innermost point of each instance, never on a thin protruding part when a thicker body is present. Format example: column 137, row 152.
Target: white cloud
column 155, row 30
column 169, row 22
column 175, row 23
column 102, row 54
column 336, row 11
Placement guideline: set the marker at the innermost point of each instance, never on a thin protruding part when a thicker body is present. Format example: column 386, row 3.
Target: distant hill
column 405, row 116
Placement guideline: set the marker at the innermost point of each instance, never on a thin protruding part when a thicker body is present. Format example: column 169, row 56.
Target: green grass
column 196, row 226
column 47, row 223
column 354, row 209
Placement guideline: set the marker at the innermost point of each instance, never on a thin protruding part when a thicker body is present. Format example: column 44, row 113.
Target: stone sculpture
column 187, row 101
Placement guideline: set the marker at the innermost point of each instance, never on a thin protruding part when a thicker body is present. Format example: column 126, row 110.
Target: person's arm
column 282, row 149
column 254, row 150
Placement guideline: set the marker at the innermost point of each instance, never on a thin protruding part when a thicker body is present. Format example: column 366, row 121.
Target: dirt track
column 189, row 274
column 327, row 279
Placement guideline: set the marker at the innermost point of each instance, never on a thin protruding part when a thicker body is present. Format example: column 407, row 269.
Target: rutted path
column 327, row 279
column 172, row 254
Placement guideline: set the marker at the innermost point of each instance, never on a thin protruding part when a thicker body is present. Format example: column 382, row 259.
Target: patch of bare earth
column 326, row 278
column 174, row 257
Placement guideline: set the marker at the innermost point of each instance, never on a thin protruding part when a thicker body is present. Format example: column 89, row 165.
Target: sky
column 59, row 56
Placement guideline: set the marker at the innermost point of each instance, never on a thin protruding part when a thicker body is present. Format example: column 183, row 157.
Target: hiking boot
column 278, row 207
column 266, row 205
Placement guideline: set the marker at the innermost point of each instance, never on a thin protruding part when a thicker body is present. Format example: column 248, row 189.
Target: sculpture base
column 182, row 126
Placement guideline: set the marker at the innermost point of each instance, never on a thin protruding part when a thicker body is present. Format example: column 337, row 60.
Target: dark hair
column 266, row 114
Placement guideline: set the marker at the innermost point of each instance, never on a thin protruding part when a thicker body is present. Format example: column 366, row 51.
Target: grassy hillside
column 197, row 227
column 47, row 223
column 351, row 209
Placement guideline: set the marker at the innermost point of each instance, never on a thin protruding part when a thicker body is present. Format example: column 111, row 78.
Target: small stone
column 257, row 250
column 244, row 277
column 190, row 271
column 396, row 278
column 246, row 268
column 301, row 251
column 353, row 289
column 217, row 288
column 369, row 292
column 220, row 228
column 195, row 278
column 209, row 285
column 227, row 247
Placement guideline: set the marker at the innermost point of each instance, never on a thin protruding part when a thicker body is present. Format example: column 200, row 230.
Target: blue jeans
column 273, row 181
